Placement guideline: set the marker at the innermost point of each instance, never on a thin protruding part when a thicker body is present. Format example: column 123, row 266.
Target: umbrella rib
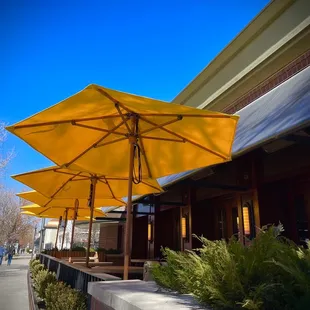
column 48, row 202
column 120, row 200
column 98, row 129
column 44, row 210
column 64, row 121
column 111, row 142
column 116, row 178
column 69, row 173
column 117, row 105
column 186, row 140
column 81, row 179
column 122, row 116
column 145, row 158
column 94, row 145
column 189, row 115
column 163, row 139
column 102, row 179
column 143, row 182
column 63, row 185
column 109, row 187
column 159, row 126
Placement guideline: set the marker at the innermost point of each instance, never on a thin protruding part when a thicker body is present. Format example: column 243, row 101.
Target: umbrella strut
column 92, row 193
column 60, row 219
column 65, row 227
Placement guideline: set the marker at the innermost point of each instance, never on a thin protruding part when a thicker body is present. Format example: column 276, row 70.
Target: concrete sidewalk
column 13, row 284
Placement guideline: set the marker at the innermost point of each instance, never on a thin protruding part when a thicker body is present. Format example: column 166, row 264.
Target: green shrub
column 78, row 248
column 109, row 251
column 101, row 250
column 62, row 297
column 271, row 273
column 41, row 281
column 35, row 269
column 33, row 262
column 113, row 251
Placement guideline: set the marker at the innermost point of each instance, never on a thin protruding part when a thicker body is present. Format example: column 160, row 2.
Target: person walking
column 2, row 253
column 10, row 255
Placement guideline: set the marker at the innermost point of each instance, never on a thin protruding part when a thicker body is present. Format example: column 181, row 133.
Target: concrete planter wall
column 33, row 304
column 138, row 295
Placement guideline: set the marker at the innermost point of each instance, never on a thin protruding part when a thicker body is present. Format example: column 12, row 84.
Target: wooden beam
column 111, row 219
column 297, row 139
column 136, row 213
column 207, row 184
column 153, row 201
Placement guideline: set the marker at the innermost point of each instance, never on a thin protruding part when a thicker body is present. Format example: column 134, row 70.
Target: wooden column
column 186, row 244
column 257, row 171
column 240, row 216
column 292, row 212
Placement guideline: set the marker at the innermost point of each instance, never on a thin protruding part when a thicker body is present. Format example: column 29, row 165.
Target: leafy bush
column 59, row 296
column 79, row 248
column 271, row 273
column 109, row 251
column 41, row 281
column 35, row 266
column 33, row 262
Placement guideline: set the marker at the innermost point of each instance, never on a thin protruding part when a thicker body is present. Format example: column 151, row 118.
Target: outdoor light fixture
column 246, row 220
column 150, row 232
column 183, row 227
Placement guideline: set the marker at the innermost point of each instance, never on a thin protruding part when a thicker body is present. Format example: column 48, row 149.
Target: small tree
column 5, row 155
column 14, row 226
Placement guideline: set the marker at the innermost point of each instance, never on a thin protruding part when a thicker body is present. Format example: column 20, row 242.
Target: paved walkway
column 13, row 284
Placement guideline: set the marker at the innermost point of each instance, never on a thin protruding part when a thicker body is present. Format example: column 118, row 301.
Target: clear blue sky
column 52, row 49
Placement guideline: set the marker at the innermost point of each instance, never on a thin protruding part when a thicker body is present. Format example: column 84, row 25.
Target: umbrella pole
column 72, row 236
column 128, row 211
column 63, row 236
column 92, row 202
column 60, row 219
column 73, row 226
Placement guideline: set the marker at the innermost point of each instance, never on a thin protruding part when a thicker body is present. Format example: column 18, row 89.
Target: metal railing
column 70, row 274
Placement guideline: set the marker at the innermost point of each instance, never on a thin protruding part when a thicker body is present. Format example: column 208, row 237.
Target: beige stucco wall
column 283, row 27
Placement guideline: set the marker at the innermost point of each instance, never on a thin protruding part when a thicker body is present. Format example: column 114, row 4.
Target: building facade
column 263, row 75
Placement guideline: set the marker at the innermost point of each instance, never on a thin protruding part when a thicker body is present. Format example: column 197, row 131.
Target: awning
column 283, row 110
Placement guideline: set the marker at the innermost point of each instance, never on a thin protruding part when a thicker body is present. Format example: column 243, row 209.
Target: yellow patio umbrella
column 60, row 211
column 67, row 213
column 78, row 206
column 91, row 130
column 65, row 184
column 41, row 200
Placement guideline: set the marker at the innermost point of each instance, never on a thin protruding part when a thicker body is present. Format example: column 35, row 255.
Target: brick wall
column 108, row 236
column 273, row 81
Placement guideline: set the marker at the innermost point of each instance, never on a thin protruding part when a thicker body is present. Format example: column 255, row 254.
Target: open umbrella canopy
column 60, row 211
column 45, row 215
column 90, row 131
column 61, row 183
column 39, row 199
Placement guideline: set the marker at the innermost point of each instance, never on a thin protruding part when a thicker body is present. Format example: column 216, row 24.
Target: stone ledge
column 137, row 295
